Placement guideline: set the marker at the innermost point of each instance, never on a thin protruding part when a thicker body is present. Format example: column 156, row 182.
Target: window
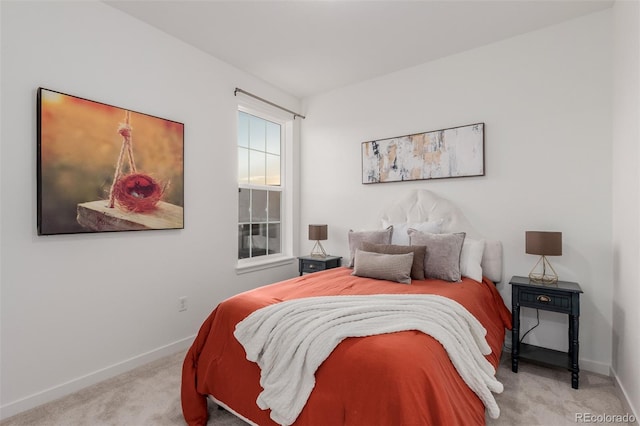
column 261, row 189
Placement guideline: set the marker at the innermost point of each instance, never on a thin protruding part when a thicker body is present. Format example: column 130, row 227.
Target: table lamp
column 318, row 233
column 543, row 244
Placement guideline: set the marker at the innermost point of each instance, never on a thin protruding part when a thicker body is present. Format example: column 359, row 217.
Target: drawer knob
column 312, row 266
column 543, row 299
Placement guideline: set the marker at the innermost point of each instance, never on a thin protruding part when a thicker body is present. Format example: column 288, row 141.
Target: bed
column 401, row 378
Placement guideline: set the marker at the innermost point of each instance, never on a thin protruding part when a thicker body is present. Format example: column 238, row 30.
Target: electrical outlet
column 182, row 304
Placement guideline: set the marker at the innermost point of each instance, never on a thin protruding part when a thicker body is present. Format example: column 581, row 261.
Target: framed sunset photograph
column 103, row 168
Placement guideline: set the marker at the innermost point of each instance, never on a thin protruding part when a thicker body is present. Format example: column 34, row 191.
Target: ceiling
column 310, row 47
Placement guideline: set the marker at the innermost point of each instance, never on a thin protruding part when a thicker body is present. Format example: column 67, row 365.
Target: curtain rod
column 295, row 114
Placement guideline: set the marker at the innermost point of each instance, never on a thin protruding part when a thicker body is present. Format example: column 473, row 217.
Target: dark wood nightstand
column 563, row 297
column 317, row 263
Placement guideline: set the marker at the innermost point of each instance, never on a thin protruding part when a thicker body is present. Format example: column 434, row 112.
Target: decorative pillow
column 443, row 254
column 392, row 267
column 471, row 259
column 419, row 252
column 400, row 235
column 358, row 237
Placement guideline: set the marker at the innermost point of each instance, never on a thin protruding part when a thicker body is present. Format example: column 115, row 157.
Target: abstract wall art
column 103, row 168
column 447, row 153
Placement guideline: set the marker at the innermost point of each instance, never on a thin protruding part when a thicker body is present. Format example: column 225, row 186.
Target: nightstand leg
column 570, row 336
column 515, row 336
column 574, row 349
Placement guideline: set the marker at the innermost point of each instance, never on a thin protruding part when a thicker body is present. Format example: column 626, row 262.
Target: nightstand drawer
column 313, row 266
column 547, row 300
column 308, row 264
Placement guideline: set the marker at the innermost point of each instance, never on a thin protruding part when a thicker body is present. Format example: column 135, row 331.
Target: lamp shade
column 543, row 243
column 318, row 232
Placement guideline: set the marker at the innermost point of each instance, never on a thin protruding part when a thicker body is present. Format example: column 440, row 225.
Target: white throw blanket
column 289, row 340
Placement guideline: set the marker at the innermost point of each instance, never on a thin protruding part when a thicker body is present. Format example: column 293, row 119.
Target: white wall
column 626, row 198
column 68, row 318
column 545, row 98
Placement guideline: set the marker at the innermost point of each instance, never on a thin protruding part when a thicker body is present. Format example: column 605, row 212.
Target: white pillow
column 400, row 235
column 471, row 259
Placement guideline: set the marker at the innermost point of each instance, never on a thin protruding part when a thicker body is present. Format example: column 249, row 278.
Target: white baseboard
column 64, row 389
column 624, row 397
column 595, row 367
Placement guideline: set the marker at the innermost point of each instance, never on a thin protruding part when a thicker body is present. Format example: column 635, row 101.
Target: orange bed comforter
column 403, row 378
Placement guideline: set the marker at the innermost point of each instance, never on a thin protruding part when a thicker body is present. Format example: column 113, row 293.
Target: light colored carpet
column 150, row 396
column 539, row 395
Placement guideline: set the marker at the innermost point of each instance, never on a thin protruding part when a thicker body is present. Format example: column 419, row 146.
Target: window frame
column 285, row 188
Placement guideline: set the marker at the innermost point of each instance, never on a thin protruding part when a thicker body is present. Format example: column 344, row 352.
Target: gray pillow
column 419, row 253
column 392, row 267
column 358, row 237
column 443, row 253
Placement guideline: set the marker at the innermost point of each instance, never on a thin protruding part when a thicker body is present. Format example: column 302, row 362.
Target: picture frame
column 438, row 154
column 102, row 168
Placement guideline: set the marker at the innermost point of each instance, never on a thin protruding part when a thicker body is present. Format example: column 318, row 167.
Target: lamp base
column 318, row 250
column 545, row 277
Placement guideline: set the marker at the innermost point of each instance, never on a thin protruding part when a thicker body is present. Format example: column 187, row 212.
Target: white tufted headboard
column 422, row 205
